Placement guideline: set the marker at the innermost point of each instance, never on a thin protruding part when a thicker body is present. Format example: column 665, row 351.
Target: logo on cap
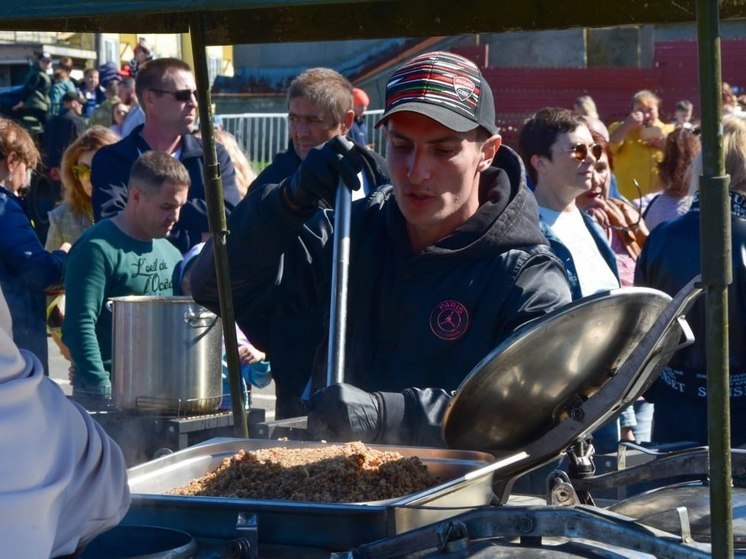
column 464, row 87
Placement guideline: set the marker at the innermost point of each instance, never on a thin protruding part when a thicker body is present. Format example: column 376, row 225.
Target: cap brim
column 441, row 115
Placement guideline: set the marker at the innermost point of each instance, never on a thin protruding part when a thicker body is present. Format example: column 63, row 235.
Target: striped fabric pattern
column 441, row 78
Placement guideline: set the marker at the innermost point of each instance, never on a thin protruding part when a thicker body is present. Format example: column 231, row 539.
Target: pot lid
column 657, row 509
column 524, row 387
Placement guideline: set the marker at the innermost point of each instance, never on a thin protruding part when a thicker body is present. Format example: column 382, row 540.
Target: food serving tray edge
column 466, row 483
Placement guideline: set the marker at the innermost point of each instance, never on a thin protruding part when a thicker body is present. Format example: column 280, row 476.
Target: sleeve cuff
column 393, row 408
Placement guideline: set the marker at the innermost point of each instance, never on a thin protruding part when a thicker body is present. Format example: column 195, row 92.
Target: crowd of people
column 457, row 240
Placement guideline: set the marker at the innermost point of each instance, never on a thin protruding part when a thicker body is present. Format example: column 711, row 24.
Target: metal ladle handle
column 340, row 277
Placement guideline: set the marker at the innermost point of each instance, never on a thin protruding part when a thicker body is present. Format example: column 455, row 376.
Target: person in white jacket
column 62, row 479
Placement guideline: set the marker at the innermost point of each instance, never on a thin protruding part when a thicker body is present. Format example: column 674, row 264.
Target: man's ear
column 147, row 100
column 347, row 121
column 538, row 162
column 134, row 193
column 489, row 150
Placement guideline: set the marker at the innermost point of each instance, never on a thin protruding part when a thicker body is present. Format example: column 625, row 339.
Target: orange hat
column 359, row 97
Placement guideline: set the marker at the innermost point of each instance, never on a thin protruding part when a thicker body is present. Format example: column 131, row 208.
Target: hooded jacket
column 110, row 171
column 669, row 259
column 291, row 341
column 417, row 322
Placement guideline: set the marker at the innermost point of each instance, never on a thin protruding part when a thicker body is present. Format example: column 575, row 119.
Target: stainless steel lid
column 658, row 509
column 525, row 386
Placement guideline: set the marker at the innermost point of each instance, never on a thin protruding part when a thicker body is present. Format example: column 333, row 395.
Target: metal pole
column 218, row 224
column 716, row 275
column 335, row 367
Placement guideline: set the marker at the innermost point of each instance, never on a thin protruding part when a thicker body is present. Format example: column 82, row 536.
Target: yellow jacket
column 634, row 159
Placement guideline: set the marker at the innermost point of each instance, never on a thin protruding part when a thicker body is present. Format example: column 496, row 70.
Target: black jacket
column 669, row 259
column 291, row 341
column 110, row 173
column 417, row 323
column 59, row 132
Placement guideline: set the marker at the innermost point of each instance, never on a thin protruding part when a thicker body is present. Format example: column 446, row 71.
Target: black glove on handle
column 342, row 412
column 318, row 175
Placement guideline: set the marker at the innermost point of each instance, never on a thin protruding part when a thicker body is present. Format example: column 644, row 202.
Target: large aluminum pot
column 166, row 355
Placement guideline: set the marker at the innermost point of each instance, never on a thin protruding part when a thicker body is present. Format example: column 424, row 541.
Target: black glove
column 342, row 412
column 318, row 175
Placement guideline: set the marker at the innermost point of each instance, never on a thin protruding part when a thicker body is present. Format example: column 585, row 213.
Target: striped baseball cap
column 444, row 86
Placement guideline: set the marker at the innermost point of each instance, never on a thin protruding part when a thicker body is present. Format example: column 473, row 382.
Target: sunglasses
column 81, row 172
column 580, row 151
column 182, row 95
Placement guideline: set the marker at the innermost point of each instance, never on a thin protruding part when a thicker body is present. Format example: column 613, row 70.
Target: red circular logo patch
column 449, row 320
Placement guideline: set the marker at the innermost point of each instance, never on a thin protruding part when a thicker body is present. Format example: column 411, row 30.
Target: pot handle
column 109, row 305
column 196, row 318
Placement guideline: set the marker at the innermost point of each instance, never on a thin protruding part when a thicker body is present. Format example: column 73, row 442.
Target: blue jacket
column 26, row 270
column 627, row 418
column 110, row 173
column 563, row 253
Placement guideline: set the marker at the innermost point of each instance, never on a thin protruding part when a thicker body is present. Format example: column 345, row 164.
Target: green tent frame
column 220, row 22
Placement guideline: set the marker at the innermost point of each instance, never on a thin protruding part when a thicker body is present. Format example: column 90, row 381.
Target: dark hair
column 682, row 146
column 66, row 62
column 540, row 131
column 153, row 168
column 153, row 72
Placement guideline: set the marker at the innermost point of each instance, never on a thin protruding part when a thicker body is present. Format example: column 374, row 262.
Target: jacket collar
column 190, row 145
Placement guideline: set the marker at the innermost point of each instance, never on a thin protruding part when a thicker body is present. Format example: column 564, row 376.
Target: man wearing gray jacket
column 62, row 479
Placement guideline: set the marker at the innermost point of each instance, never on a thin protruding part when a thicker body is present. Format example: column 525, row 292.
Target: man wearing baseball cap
column 445, row 263
column 33, row 108
column 358, row 133
column 62, row 130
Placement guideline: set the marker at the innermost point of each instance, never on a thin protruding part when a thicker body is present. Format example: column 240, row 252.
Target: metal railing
column 262, row 135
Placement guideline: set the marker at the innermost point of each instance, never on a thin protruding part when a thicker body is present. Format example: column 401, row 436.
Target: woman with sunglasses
column 68, row 220
column 26, row 269
column 621, row 222
column 626, row 233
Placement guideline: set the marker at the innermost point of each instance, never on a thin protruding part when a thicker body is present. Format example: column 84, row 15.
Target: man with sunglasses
column 445, row 263
column 560, row 156
column 166, row 90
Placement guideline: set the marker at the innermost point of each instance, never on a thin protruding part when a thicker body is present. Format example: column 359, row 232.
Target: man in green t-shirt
column 125, row 255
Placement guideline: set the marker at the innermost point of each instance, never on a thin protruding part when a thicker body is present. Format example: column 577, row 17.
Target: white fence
column 262, row 135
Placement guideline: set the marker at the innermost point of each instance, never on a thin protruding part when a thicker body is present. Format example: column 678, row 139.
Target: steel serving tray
column 466, row 484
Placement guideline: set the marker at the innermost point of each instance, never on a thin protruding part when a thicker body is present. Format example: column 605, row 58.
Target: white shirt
column 594, row 274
